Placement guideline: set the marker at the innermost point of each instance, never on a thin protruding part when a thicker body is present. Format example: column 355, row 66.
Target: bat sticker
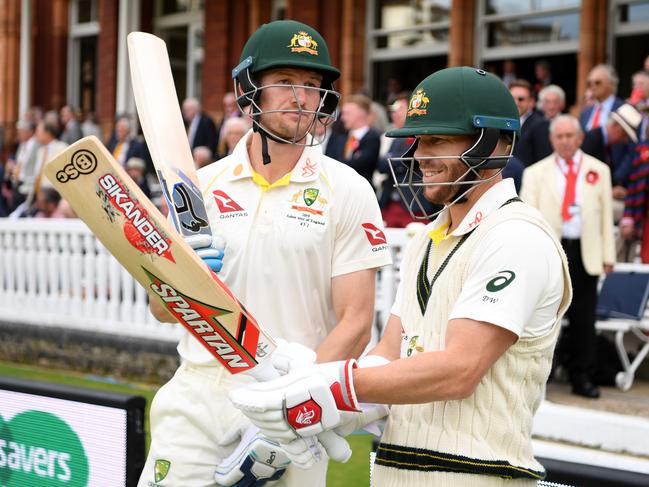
column 82, row 162
column 138, row 228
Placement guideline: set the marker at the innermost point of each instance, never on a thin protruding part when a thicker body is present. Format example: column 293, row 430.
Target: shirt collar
column 491, row 200
column 359, row 133
column 307, row 168
column 576, row 159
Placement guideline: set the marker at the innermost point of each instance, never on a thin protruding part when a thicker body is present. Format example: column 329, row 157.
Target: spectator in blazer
column 201, row 129
column 71, row 127
column 363, row 143
column 573, row 192
column 602, row 82
column 614, row 144
column 552, row 102
column 533, row 143
column 124, row 146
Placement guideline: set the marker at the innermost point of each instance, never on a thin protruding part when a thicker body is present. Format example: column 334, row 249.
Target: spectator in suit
column 21, row 170
column 200, row 126
column 136, row 169
column 202, row 156
column 573, row 192
column 634, row 225
column 509, row 72
column 123, row 145
column 543, row 75
column 641, row 89
column 230, row 110
column 552, row 101
column 533, row 144
column 610, row 144
column 47, row 204
column 71, row 128
column 363, row 143
column 90, row 126
column 602, row 82
column 234, row 128
column 334, row 139
column 393, row 209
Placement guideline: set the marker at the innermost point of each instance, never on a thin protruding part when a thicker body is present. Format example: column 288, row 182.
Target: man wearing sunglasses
column 602, row 82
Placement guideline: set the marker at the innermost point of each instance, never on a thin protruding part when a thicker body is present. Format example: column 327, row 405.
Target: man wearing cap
column 468, row 346
column 573, row 191
column 614, row 144
column 304, row 241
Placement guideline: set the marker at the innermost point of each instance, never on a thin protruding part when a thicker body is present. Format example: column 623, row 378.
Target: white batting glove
column 255, row 461
column 209, row 248
column 291, row 356
column 302, row 403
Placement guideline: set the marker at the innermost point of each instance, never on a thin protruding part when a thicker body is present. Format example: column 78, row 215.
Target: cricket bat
column 130, row 226
column 164, row 131
column 132, row 229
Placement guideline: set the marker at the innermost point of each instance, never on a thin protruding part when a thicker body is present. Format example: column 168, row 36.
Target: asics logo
column 225, row 203
column 374, row 234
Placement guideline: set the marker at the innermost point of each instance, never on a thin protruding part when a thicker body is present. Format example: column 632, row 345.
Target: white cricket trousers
column 194, row 426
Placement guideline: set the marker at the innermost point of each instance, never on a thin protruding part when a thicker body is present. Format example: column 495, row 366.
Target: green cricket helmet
column 456, row 101
column 286, row 44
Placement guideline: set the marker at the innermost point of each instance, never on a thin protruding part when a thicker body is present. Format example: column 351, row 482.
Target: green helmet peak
column 286, row 43
column 459, row 101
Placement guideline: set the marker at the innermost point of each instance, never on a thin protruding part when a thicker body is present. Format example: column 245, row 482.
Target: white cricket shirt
column 284, row 243
column 515, row 251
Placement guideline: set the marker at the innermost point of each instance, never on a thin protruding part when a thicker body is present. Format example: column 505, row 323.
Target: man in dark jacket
column 363, row 143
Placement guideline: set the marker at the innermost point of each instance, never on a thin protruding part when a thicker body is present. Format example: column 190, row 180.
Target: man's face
column 122, row 130
column 566, row 139
column 229, row 104
column 43, row 137
column 641, row 82
column 552, row 105
column 288, row 90
column 600, row 84
column 616, row 134
column 189, row 110
column 523, row 99
column 353, row 116
column 398, row 113
column 442, row 170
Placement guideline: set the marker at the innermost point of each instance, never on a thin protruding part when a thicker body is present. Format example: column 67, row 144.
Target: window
column 82, row 55
column 180, row 24
column 405, row 38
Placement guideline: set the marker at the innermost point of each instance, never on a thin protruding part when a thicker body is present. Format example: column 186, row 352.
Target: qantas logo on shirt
column 225, row 203
column 374, row 235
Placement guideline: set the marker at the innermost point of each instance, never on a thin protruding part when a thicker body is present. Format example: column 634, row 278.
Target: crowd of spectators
column 586, row 167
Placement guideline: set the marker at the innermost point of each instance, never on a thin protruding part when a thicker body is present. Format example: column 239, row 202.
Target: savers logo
column 39, row 448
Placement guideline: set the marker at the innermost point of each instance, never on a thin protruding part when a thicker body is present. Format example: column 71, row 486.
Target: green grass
column 354, row 473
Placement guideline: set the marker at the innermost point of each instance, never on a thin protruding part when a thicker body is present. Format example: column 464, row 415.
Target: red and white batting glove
column 302, row 403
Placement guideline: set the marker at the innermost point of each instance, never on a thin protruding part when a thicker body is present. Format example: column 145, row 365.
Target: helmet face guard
column 248, row 99
column 458, row 101
column 408, row 177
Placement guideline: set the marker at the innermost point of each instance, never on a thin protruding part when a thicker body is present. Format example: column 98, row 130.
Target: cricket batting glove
column 291, row 356
column 255, row 461
column 209, row 248
column 302, row 403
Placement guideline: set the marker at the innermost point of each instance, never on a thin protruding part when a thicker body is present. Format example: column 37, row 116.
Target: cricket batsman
column 469, row 344
column 304, row 240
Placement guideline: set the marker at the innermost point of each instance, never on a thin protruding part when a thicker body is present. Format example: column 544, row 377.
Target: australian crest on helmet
column 418, row 104
column 303, row 42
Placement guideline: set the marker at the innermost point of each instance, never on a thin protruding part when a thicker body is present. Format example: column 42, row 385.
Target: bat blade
column 164, row 131
column 143, row 241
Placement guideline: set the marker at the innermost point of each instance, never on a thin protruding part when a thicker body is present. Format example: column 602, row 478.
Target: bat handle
column 337, row 447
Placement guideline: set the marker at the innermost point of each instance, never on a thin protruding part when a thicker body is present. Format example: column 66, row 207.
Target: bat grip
column 336, row 446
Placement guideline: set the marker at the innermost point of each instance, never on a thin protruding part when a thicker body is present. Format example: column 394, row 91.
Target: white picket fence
column 56, row 273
